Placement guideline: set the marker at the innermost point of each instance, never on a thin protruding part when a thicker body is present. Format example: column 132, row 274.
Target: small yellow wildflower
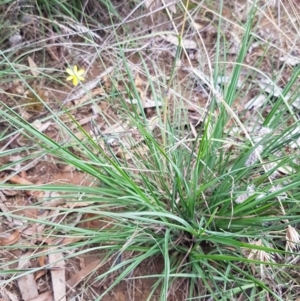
column 75, row 75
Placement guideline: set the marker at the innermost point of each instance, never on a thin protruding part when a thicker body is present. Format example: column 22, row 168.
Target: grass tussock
column 163, row 164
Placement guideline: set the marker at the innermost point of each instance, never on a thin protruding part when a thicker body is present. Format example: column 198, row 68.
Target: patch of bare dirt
column 132, row 288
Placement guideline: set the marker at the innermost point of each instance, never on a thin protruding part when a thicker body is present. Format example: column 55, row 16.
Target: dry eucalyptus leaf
column 68, row 240
column 173, row 39
column 82, row 274
column 26, row 283
column 33, row 67
column 268, row 86
column 94, row 92
column 7, row 295
column 51, row 199
column 152, row 103
column 290, row 60
column 286, row 170
column 9, row 192
column 19, row 180
column 140, row 87
column 8, row 239
column 58, row 275
column 256, row 102
column 41, row 126
column 53, row 52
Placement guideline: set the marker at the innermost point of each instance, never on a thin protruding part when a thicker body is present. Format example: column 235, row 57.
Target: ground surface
column 97, row 114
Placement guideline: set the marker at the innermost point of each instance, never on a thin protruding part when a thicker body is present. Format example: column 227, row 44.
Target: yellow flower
column 75, row 75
